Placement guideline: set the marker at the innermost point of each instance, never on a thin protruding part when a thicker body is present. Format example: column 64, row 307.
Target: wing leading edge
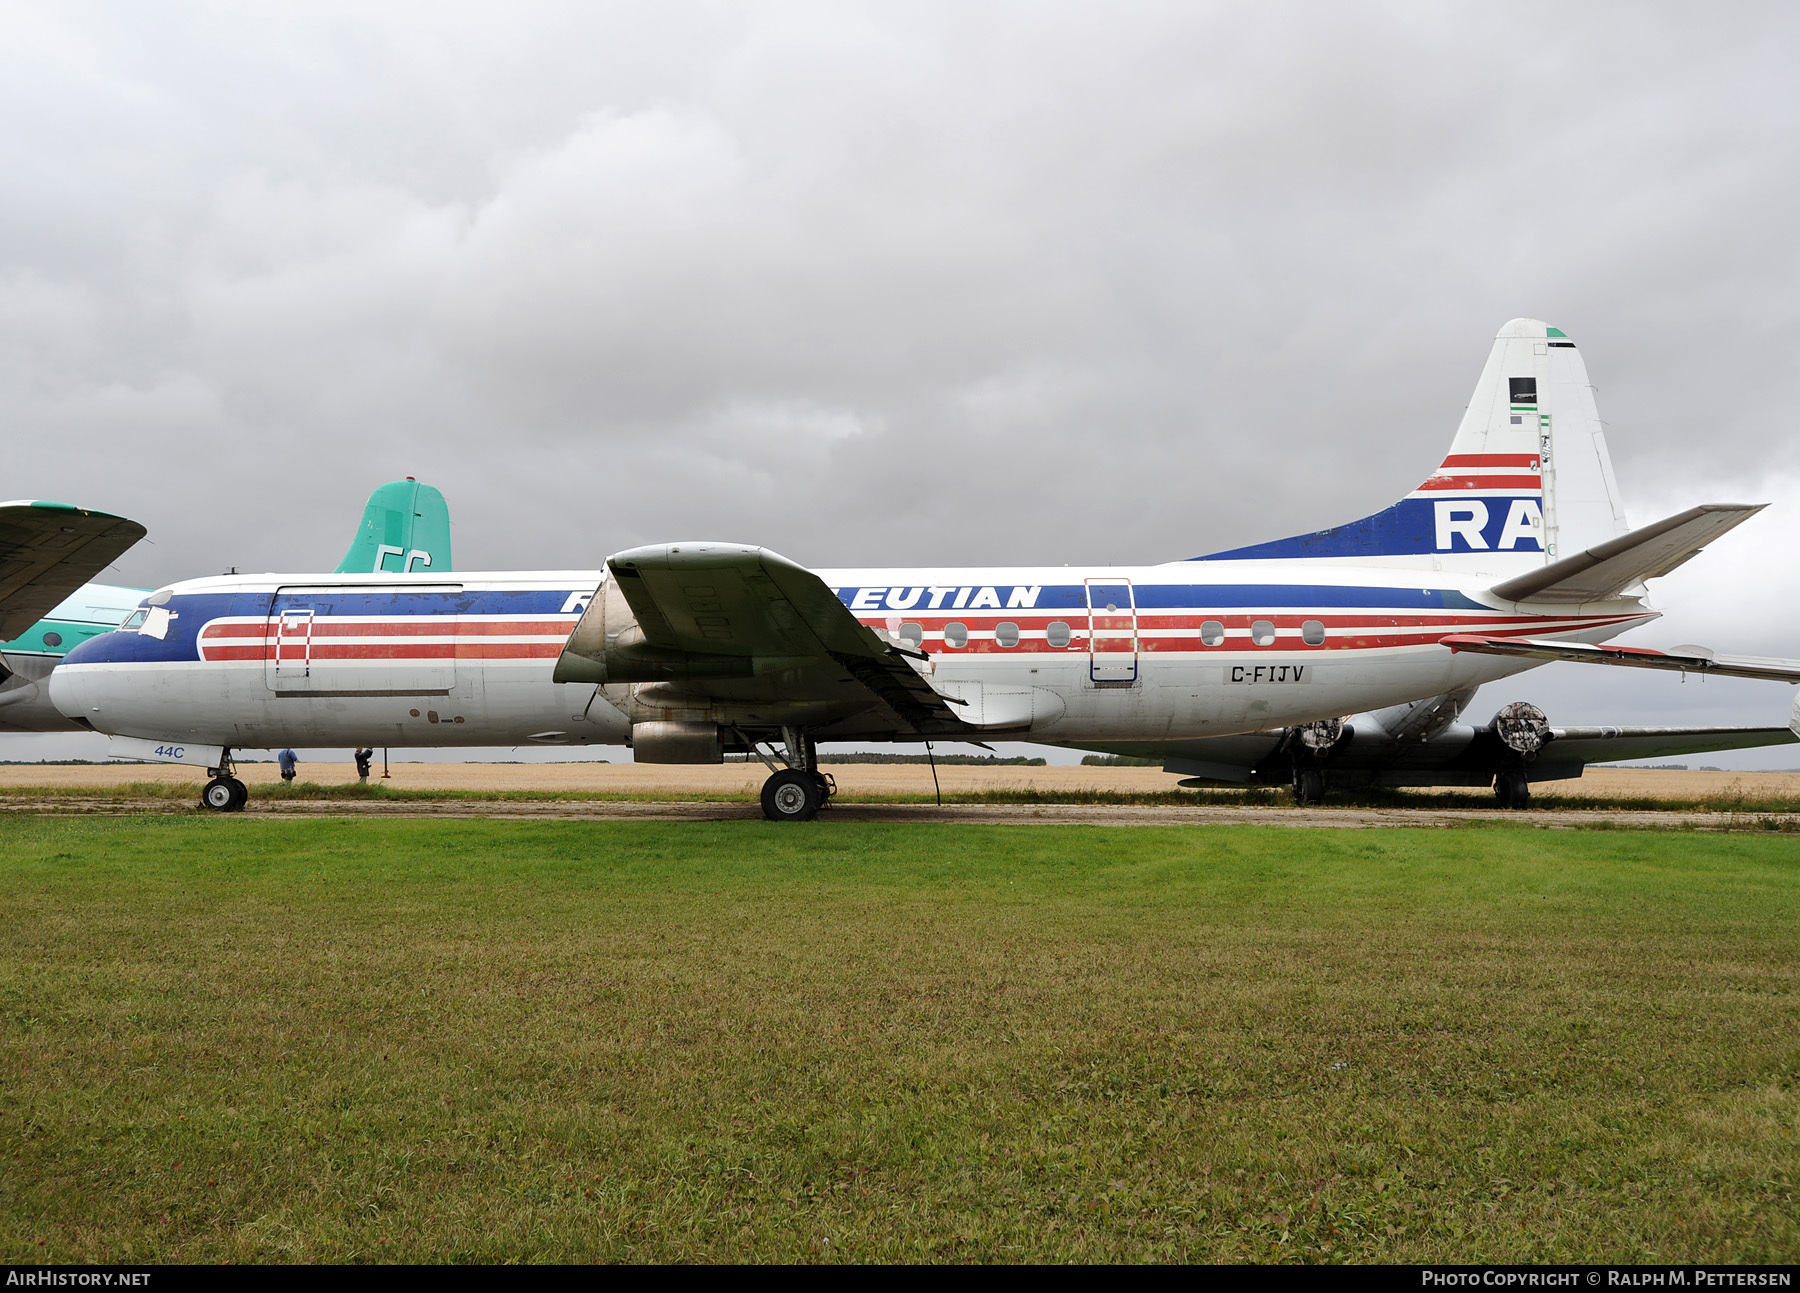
column 47, row 552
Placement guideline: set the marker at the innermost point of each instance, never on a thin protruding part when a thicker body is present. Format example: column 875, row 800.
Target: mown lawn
column 239, row 1039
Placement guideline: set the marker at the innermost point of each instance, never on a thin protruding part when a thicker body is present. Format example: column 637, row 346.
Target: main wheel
column 1309, row 787
column 1512, row 790
column 792, row 796
column 240, row 795
column 220, row 796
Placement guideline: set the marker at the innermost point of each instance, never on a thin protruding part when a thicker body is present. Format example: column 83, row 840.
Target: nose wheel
column 225, row 795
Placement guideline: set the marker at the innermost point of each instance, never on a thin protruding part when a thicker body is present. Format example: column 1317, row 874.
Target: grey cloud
column 874, row 284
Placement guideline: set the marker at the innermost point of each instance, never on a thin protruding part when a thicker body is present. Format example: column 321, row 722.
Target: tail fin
column 405, row 528
column 1526, row 479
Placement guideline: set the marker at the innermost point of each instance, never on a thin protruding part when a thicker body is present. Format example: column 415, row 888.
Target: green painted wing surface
column 47, row 552
column 740, row 623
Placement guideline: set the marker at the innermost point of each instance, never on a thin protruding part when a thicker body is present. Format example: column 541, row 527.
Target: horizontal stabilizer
column 1685, row 659
column 1607, row 569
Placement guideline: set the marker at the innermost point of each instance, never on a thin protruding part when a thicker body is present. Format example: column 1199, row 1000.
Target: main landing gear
column 224, row 793
column 1523, row 730
column 1309, row 787
column 1310, row 744
column 1511, row 788
column 797, row 792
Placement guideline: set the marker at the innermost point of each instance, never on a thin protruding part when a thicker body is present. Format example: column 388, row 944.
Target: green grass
column 328, row 1039
column 1736, row 802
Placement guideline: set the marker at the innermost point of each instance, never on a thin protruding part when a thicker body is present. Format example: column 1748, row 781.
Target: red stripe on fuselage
column 1490, row 460
column 420, row 626
column 1483, row 482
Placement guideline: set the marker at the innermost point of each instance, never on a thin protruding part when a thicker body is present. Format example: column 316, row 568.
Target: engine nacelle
column 676, row 743
column 1522, row 728
column 1320, row 736
column 608, row 645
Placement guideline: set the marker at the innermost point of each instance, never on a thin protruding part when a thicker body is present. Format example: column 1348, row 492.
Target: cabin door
column 362, row 640
column 288, row 664
column 1112, row 632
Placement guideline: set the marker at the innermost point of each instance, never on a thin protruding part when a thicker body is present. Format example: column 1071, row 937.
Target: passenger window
column 1262, row 633
column 912, row 635
column 1312, row 633
column 1006, row 634
column 1057, row 634
column 1212, row 633
column 956, row 635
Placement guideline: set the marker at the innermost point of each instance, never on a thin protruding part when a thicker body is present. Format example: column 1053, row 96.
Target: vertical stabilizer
column 405, row 528
column 1527, row 477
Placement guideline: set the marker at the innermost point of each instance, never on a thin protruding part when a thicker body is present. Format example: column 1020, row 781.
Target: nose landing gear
column 224, row 793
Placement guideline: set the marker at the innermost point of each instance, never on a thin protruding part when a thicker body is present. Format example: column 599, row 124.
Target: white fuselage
column 1062, row 654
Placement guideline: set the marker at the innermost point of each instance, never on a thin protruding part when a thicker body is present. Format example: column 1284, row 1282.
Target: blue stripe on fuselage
column 1195, row 597
column 193, row 611
column 1411, row 527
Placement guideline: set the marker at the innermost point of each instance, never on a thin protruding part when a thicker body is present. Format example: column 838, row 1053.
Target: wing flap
column 47, row 552
column 1682, row 659
column 1605, row 570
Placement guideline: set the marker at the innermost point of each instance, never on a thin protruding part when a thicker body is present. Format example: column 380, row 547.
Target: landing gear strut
column 797, row 792
column 1310, row 743
column 1309, row 787
column 1511, row 788
column 224, row 793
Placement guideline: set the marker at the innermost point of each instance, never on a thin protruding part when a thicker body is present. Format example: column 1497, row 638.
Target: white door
column 288, row 662
column 1112, row 632
column 366, row 640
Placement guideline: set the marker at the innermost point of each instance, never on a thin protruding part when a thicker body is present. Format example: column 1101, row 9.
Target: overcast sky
column 886, row 285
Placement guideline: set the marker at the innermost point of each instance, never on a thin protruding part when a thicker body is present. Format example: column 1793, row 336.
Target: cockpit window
column 134, row 621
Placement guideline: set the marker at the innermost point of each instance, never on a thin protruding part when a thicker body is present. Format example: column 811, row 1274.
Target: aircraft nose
column 80, row 680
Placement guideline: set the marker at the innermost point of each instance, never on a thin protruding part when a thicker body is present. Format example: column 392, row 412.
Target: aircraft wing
column 1686, row 659
column 1607, row 569
column 47, row 552
column 740, row 622
column 1612, row 744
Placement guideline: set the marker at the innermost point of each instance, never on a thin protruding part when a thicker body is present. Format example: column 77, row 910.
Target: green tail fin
column 406, row 527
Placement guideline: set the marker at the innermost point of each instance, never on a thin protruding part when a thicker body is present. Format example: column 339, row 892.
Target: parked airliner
column 1513, row 551
column 405, row 526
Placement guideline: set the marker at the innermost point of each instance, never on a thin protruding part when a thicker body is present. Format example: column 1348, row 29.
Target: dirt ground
column 852, row 778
